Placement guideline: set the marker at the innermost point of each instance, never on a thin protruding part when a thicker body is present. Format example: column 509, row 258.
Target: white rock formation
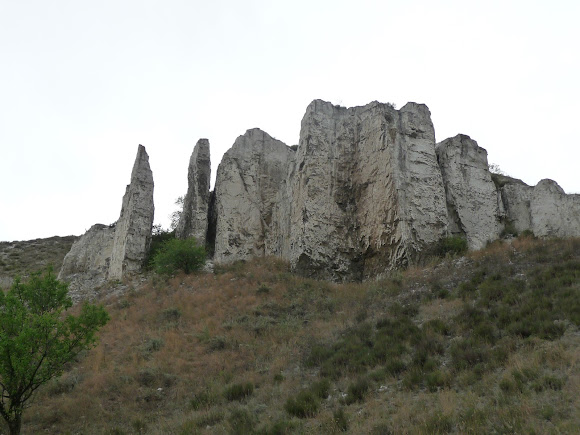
column 194, row 217
column 133, row 229
column 110, row 252
column 472, row 198
column 545, row 209
column 89, row 259
column 249, row 179
column 367, row 194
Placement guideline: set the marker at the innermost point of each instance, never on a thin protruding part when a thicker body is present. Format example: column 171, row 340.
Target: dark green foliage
column 239, row 391
column 304, row 405
column 452, row 245
column 179, row 255
column 38, row 338
column 159, row 237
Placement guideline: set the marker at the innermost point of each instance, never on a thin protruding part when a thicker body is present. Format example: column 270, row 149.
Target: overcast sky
column 82, row 83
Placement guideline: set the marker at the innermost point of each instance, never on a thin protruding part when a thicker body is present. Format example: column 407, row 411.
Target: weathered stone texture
column 249, row 179
column 133, row 229
column 194, row 217
column 472, row 199
column 110, row 252
column 545, row 209
column 367, row 194
column 86, row 266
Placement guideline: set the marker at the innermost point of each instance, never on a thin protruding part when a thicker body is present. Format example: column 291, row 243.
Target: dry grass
column 175, row 345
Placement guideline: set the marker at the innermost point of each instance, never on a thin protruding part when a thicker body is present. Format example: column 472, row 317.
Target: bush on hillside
column 453, row 245
column 179, row 255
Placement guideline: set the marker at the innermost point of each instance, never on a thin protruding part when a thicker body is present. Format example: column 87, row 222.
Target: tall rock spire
column 194, row 218
column 133, row 229
column 110, row 252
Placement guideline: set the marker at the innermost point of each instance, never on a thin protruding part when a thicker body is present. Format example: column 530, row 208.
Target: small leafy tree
column 179, row 254
column 38, row 338
column 176, row 215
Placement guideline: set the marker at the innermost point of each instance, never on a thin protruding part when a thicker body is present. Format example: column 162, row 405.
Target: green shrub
column 241, row 422
column 179, row 255
column 509, row 230
column 321, row 388
column 202, row 400
column 239, row 391
column 158, row 238
column 304, row 405
column 453, row 245
column 357, row 391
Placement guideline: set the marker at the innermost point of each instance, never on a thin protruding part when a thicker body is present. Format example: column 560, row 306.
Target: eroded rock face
column 86, row 266
column 472, row 198
column 110, row 252
column 367, row 193
column 194, row 218
column 248, row 184
column 545, row 209
column 133, row 229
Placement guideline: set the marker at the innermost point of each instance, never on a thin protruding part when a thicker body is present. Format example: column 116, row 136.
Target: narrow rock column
column 133, row 229
column 194, row 218
column 472, row 204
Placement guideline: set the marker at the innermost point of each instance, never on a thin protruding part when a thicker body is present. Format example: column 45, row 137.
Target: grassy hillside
column 22, row 258
column 487, row 343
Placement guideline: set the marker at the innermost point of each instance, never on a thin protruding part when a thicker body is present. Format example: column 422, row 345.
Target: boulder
column 194, row 217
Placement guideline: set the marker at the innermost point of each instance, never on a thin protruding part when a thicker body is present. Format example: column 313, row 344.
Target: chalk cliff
column 366, row 190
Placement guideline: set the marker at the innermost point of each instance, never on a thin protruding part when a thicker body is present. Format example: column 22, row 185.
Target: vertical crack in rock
column 471, row 194
column 368, row 194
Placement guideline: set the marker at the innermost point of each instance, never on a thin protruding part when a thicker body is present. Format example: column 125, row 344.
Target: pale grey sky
column 82, row 83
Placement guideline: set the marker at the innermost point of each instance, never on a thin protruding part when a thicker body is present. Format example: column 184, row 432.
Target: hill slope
column 487, row 343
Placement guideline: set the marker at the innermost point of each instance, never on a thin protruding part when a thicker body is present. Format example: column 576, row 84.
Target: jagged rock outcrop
column 249, row 181
column 472, row 198
column 545, row 209
column 110, row 252
column 194, row 217
column 133, row 229
column 367, row 192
